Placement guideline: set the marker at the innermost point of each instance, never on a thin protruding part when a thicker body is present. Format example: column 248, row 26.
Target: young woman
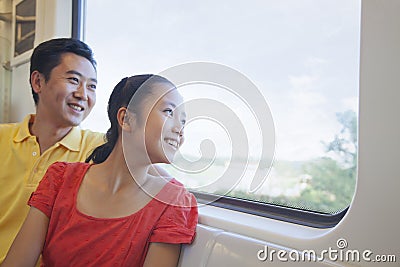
column 112, row 212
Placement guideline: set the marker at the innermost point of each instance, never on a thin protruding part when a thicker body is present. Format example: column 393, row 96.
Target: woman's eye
column 169, row 112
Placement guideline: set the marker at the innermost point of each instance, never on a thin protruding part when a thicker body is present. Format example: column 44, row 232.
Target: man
column 63, row 78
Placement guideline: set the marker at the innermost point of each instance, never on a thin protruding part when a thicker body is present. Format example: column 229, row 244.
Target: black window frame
column 77, row 19
column 273, row 211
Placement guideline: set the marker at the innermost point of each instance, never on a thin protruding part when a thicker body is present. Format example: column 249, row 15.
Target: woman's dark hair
column 120, row 97
column 47, row 55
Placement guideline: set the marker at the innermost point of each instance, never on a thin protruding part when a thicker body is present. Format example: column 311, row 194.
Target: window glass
column 25, row 19
column 5, row 79
column 302, row 56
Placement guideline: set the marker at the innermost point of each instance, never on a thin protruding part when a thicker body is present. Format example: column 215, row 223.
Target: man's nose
column 81, row 92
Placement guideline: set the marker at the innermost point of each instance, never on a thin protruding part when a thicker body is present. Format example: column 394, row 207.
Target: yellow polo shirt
column 22, row 167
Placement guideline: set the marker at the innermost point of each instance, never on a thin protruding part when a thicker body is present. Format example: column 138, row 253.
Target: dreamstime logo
column 332, row 254
column 189, row 79
column 341, row 243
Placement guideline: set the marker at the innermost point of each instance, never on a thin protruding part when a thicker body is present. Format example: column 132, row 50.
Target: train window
column 301, row 57
column 25, row 20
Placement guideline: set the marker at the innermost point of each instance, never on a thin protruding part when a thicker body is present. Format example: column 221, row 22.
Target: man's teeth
column 172, row 142
column 77, row 108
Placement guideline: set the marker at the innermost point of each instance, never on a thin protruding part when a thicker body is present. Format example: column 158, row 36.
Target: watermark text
column 340, row 253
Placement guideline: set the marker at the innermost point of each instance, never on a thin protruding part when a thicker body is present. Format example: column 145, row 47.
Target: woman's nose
column 178, row 129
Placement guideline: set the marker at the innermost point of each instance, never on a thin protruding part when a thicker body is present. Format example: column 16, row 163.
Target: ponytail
column 101, row 153
column 116, row 101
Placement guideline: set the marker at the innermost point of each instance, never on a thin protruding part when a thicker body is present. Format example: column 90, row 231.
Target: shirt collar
column 71, row 141
column 23, row 131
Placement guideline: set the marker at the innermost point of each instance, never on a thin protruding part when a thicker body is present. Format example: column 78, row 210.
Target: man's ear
column 125, row 119
column 37, row 80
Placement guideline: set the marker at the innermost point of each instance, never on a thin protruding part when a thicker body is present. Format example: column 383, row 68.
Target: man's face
column 69, row 95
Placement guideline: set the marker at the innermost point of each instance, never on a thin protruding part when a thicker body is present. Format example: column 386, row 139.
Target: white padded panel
column 237, row 251
column 198, row 252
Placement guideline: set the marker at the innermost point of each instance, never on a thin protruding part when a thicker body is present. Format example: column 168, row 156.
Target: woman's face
column 160, row 123
column 164, row 126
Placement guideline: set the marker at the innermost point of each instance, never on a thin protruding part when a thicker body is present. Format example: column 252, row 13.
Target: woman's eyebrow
column 169, row 103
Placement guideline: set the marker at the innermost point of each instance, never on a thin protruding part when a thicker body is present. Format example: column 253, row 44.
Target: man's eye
column 93, row 86
column 73, row 80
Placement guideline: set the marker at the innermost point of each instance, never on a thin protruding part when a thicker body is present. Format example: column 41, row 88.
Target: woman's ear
column 125, row 119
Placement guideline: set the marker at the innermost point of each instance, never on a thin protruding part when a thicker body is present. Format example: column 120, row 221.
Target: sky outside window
column 302, row 55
